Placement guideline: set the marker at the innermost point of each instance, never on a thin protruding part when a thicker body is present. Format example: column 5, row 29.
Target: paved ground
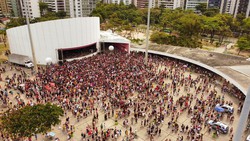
column 245, row 69
column 141, row 131
column 205, row 57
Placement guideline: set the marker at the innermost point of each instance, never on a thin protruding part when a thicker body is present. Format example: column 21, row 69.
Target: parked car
column 218, row 125
column 227, row 108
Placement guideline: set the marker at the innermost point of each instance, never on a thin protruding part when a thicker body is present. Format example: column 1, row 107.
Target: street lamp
column 30, row 37
column 147, row 33
column 111, row 48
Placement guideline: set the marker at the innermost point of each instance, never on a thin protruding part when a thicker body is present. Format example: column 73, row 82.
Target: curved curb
column 228, row 78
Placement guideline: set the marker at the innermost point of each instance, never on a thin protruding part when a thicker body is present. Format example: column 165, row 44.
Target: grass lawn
column 3, row 48
column 2, row 51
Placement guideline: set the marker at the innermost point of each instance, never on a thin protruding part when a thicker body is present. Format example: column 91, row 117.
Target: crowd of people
column 124, row 88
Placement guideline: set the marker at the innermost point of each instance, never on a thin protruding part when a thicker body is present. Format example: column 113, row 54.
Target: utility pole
column 30, row 37
column 243, row 118
column 147, row 33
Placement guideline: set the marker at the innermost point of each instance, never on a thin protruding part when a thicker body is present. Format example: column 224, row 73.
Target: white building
column 170, row 4
column 126, row 2
column 52, row 38
column 33, row 6
column 64, row 39
column 56, row 5
column 230, row 6
column 80, row 8
column 191, row 4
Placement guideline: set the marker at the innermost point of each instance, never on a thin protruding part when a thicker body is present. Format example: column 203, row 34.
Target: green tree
column 210, row 12
column 30, row 120
column 188, row 25
column 43, row 7
column 202, row 7
column 243, row 43
column 246, row 25
column 61, row 14
column 14, row 22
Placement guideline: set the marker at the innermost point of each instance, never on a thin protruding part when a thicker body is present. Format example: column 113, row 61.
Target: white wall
column 52, row 35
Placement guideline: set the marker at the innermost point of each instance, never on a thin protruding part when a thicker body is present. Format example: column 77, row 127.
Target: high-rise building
column 33, row 8
column 16, row 9
column 144, row 3
column 214, row 4
column 233, row 7
column 1, row 13
column 191, row 4
column 4, row 7
column 79, row 8
column 225, row 6
column 171, row 4
column 88, row 6
column 126, row 2
column 244, row 7
column 56, row 5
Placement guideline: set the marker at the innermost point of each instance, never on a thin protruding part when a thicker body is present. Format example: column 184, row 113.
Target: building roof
column 4, row 19
column 109, row 37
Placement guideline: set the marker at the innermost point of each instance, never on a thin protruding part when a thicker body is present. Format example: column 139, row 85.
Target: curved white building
column 57, row 39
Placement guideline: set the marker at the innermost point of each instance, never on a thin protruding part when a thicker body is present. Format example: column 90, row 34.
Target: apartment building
column 79, row 8
column 126, row 2
column 244, row 7
column 191, row 4
column 56, row 5
column 231, row 6
column 144, row 3
column 33, row 8
column 5, row 8
column 15, row 7
column 171, row 4
column 1, row 13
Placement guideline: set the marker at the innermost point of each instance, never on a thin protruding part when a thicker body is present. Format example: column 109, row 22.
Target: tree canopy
column 244, row 43
column 30, row 120
column 186, row 24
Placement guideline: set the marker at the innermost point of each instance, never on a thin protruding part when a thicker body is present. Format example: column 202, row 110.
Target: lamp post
column 243, row 118
column 30, row 37
column 147, row 32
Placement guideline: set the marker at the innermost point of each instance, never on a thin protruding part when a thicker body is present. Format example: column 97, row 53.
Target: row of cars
column 217, row 125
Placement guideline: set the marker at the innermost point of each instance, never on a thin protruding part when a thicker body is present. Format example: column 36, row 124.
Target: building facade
column 144, row 3
column 33, row 8
column 4, row 5
column 191, row 4
column 16, row 9
column 50, row 38
column 244, row 7
column 79, row 8
column 56, row 5
column 126, row 2
column 171, row 4
column 233, row 7
column 1, row 13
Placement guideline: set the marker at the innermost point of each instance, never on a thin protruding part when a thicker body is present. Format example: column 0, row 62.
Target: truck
column 20, row 60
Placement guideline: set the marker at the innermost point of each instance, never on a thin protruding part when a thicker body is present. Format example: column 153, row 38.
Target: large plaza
column 151, row 102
